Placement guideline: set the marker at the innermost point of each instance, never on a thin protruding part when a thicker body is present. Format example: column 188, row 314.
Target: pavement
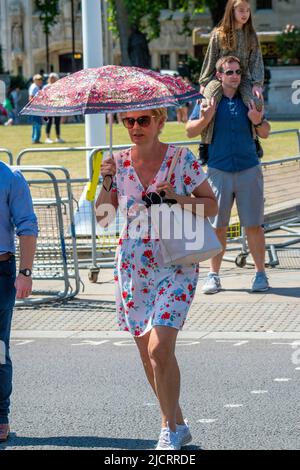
column 233, row 311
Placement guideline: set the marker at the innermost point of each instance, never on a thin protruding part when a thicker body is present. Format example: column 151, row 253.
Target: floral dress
column 147, row 292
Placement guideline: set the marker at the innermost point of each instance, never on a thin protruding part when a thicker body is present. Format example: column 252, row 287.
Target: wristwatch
column 26, row 272
column 259, row 124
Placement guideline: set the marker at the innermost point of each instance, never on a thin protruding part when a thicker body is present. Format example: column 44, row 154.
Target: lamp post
column 73, row 36
column 93, row 57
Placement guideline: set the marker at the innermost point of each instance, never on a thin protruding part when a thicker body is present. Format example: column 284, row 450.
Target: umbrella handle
column 92, row 185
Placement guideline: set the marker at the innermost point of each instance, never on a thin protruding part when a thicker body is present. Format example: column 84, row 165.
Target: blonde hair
column 226, row 28
column 226, row 60
column 160, row 113
column 157, row 113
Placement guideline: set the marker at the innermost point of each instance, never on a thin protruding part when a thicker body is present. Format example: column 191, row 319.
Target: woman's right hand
column 108, row 167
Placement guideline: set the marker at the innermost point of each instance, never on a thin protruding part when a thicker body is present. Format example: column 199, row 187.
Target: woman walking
column 153, row 299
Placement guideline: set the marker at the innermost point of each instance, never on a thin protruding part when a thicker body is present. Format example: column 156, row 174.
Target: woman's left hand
column 168, row 189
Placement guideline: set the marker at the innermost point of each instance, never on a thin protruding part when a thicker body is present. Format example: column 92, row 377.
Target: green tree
column 288, row 44
column 144, row 15
column 48, row 11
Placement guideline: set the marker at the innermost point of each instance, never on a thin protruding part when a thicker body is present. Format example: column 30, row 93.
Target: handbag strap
column 173, row 163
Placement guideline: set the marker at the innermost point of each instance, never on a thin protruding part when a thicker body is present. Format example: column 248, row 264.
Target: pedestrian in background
column 36, row 121
column 53, row 77
column 235, row 36
column 234, row 168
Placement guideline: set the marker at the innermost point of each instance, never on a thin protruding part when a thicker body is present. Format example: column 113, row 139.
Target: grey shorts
column 246, row 188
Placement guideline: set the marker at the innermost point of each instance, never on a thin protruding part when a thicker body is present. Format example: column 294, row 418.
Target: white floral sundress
column 148, row 293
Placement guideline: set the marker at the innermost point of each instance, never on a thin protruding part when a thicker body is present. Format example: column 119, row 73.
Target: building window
column 165, row 61
column 264, row 5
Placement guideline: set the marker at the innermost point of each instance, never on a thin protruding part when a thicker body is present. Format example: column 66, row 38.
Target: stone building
column 23, row 41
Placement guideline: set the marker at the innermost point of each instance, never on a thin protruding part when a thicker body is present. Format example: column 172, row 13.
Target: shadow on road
column 83, row 442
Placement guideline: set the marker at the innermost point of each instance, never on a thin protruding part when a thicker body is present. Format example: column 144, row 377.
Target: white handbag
column 185, row 238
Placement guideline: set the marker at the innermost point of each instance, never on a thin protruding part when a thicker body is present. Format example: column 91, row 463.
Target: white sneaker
column 59, row 141
column 184, row 433
column 212, row 284
column 48, row 141
column 168, row 440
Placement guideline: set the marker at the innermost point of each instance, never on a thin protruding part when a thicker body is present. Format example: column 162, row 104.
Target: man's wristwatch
column 259, row 124
column 26, row 272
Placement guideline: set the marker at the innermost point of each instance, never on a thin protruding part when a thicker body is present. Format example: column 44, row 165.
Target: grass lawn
column 16, row 138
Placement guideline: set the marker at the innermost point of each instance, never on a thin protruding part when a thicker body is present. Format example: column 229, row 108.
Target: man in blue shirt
column 16, row 214
column 234, row 169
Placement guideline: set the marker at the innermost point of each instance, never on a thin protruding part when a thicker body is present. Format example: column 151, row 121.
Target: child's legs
column 245, row 89
column 213, row 89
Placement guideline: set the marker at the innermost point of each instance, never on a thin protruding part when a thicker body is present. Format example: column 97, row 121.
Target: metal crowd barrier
column 96, row 246
column 282, row 216
column 8, row 154
column 56, row 262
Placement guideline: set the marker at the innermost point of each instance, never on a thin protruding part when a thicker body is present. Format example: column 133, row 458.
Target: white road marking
column 130, row 342
column 293, row 344
column 239, row 343
column 282, row 379
column 206, row 421
column 233, row 405
column 258, row 392
column 21, row 343
column 297, row 368
column 90, row 343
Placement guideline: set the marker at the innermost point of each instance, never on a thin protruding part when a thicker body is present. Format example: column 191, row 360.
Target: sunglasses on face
column 155, row 198
column 232, row 72
column 143, row 121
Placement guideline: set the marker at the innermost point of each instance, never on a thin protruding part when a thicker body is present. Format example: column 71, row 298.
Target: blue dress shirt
column 232, row 147
column 16, row 210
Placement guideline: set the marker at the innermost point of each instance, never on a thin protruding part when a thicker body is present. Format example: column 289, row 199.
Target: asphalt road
column 92, row 394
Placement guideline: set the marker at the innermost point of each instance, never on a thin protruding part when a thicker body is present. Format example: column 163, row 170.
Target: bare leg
column 166, row 372
column 143, row 346
column 256, row 243
column 216, row 261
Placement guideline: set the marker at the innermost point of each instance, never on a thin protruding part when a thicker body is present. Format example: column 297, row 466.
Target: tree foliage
column 48, row 11
column 288, row 44
column 145, row 13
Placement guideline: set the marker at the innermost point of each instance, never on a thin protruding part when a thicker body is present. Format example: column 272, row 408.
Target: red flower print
column 126, row 163
column 165, row 316
column 195, row 165
column 116, row 278
column 148, row 253
column 187, row 180
column 145, row 291
column 183, row 297
column 124, row 294
column 130, row 304
column 162, row 290
column 131, row 177
column 137, row 333
column 144, row 271
column 190, row 287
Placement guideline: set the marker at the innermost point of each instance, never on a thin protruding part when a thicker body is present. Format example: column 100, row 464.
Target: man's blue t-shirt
column 232, row 147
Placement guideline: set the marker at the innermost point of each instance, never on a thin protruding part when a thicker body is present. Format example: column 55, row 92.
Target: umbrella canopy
column 110, row 89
